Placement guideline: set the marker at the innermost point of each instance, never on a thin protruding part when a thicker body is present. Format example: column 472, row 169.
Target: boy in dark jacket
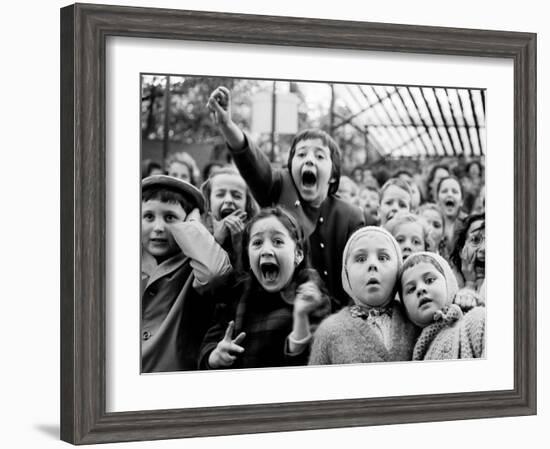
column 306, row 188
column 179, row 258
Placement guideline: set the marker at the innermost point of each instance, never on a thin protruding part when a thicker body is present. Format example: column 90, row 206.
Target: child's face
column 424, row 292
column 449, row 197
column 228, row 193
column 410, row 238
column 156, row 219
column 179, row 170
column 439, row 174
column 311, row 170
column 475, row 244
column 394, row 200
column 272, row 253
column 372, row 270
column 347, row 191
column 370, row 201
column 435, row 221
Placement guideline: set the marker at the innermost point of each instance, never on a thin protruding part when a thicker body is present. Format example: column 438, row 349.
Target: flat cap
column 176, row 185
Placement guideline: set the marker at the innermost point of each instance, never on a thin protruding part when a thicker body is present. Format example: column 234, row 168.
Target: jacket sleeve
column 255, row 168
column 208, row 259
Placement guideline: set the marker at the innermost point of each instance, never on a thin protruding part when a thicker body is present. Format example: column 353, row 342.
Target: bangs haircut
column 291, row 225
column 408, row 217
column 415, row 259
column 251, row 207
column 445, row 179
column 170, row 196
column 403, row 185
column 335, row 154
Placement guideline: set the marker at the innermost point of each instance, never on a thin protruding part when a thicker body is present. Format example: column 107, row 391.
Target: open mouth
column 450, row 203
column 479, row 267
column 225, row 211
column 373, row 281
column 270, row 271
column 309, row 178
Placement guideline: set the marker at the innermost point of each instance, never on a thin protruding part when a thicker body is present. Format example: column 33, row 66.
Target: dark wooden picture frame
column 84, row 29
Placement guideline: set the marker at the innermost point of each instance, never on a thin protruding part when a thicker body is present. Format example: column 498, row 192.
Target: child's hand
column 308, row 298
column 219, row 104
column 234, row 224
column 227, row 349
column 467, row 299
column 468, row 257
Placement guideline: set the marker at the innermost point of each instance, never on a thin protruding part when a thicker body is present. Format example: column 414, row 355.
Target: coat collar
column 153, row 271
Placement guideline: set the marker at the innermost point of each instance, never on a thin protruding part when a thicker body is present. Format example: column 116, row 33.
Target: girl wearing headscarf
column 428, row 288
column 375, row 327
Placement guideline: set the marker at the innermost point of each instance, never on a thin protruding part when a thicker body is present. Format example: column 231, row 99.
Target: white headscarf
column 349, row 246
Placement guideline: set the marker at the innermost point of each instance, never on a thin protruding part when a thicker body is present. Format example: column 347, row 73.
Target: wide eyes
column 170, row 218
column 148, row 216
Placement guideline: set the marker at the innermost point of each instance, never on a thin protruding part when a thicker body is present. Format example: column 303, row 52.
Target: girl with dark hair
column 268, row 313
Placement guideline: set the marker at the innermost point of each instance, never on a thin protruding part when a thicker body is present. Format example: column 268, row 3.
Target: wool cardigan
column 343, row 338
column 455, row 336
column 328, row 227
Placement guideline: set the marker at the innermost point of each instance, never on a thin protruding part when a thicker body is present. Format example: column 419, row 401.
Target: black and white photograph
column 291, row 223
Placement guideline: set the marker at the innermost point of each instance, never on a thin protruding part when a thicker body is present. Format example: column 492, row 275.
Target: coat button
column 321, row 220
column 325, row 273
column 297, row 203
column 322, row 245
column 146, row 335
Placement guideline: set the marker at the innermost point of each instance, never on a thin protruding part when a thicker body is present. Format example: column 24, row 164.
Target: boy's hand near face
column 233, row 224
column 227, row 349
column 219, row 105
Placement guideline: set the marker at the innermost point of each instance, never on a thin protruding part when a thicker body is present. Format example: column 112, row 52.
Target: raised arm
column 254, row 166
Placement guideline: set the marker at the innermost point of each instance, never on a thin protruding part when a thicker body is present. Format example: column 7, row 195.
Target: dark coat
column 328, row 227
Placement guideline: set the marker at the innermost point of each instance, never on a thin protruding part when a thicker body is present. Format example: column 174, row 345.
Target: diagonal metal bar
column 432, row 118
column 474, row 114
column 412, row 121
column 463, row 109
column 375, row 142
column 394, row 126
column 412, row 139
column 440, row 108
column 426, row 125
column 407, row 130
column 391, row 138
column 455, row 121
column 357, row 114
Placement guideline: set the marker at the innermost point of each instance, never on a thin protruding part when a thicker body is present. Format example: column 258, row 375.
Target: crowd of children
column 263, row 267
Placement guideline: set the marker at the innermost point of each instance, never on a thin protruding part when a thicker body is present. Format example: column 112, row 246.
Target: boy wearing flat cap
column 179, row 258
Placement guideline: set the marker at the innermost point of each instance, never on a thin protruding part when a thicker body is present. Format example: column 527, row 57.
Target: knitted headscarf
column 425, row 256
column 361, row 232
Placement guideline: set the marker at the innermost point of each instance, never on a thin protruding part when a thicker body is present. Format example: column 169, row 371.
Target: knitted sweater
column 453, row 336
column 343, row 338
